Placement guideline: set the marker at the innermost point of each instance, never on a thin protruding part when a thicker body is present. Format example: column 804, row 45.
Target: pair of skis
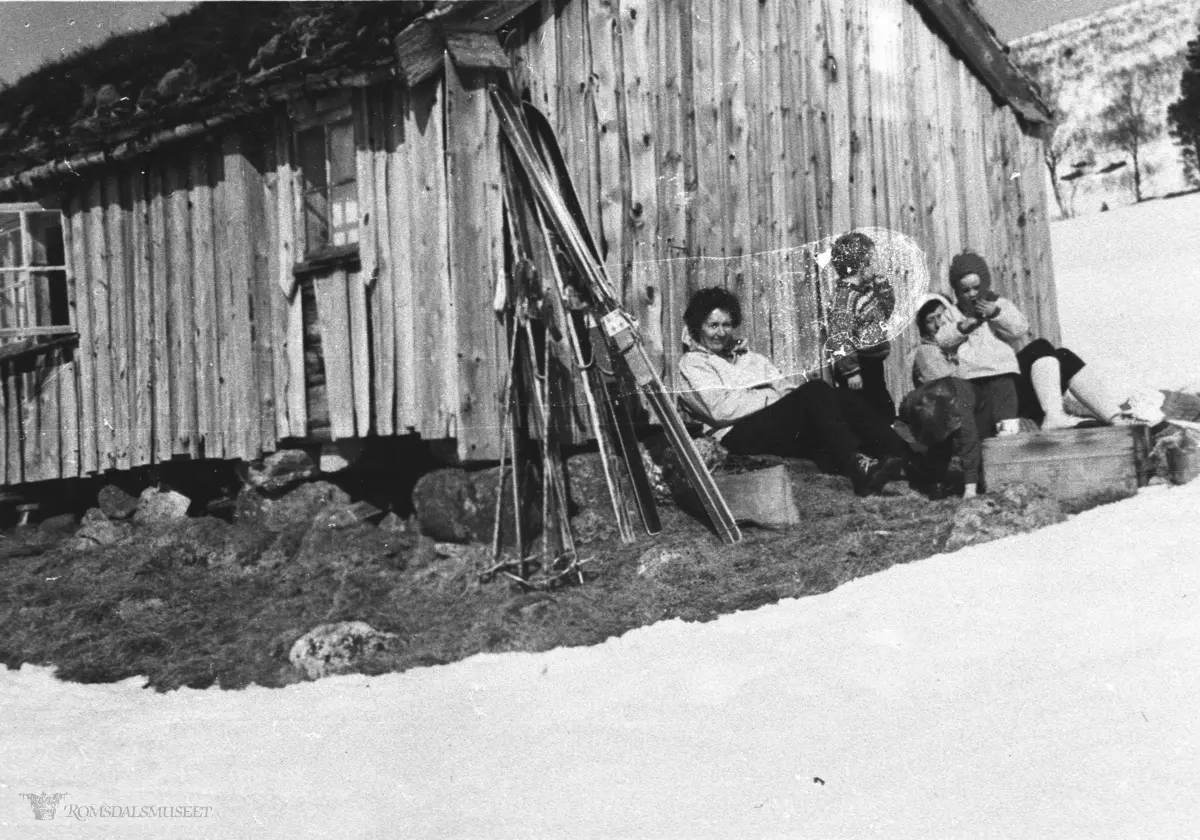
column 540, row 161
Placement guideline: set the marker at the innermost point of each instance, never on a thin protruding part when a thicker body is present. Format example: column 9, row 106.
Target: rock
column 279, row 471
column 1011, row 509
column 297, row 507
column 654, row 561
column 160, row 506
column 393, row 523
column 115, row 502
column 63, row 523
column 337, row 648
column 366, row 512
column 337, row 456
column 592, row 525
column 335, row 516
column 98, row 529
column 453, row 505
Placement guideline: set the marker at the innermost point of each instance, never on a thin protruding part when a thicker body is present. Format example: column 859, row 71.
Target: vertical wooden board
column 270, row 305
column 142, row 393
column 575, row 109
column 6, row 433
column 858, row 84
column 226, row 215
column 739, row 170
column 98, row 256
column 707, row 202
column 333, row 314
column 239, row 215
column 382, row 301
column 539, row 61
column 12, row 393
column 690, row 141
column 998, row 178
column 121, row 325
column 671, row 198
column 360, row 353
column 765, row 64
column 838, row 64
column 604, row 34
column 930, row 143
column 49, row 465
column 68, row 416
column 205, row 305
column 639, row 51
column 69, row 382
column 808, row 185
column 81, row 317
column 404, row 199
column 473, row 170
column 369, row 266
column 180, row 316
column 290, row 393
column 435, row 312
column 160, row 280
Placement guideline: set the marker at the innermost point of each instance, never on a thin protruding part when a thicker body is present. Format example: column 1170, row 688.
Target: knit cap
column 968, row 262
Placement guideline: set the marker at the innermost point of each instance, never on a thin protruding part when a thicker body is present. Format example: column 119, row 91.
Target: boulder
column 296, row 507
column 655, row 561
column 161, row 506
column 115, row 502
column 1010, row 509
column 338, row 648
column 392, row 522
column 453, row 505
column 279, row 471
column 98, row 529
column 63, row 523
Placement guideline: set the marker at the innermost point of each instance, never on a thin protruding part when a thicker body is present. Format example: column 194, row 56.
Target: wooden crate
column 1074, row 465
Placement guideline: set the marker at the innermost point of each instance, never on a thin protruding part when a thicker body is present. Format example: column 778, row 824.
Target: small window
column 33, row 274
column 329, row 190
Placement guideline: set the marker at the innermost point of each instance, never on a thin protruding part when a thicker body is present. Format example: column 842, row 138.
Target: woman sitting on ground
column 972, row 342
column 747, row 404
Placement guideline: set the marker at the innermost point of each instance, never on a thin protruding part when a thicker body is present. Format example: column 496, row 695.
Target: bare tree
column 1134, row 116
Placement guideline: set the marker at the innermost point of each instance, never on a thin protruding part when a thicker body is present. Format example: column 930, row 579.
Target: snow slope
column 1129, row 290
column 1046, row 685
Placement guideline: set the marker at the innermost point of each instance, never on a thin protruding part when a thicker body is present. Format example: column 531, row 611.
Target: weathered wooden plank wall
column 774, row 124
column 708, row 139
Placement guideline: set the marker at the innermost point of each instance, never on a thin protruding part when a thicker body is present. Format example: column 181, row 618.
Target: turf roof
column 191, row 66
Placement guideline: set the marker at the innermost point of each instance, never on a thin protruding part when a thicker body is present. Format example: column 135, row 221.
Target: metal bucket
column 1182, row 464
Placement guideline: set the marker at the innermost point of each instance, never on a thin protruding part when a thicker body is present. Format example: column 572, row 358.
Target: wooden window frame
column 31, row 336
column 324, row 112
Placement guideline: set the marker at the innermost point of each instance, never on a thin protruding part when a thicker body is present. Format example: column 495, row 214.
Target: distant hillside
column 1076, row 63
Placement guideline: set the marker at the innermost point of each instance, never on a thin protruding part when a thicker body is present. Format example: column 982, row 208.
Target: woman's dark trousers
column 815, row 421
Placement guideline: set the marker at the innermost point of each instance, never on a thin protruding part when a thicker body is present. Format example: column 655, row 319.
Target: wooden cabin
column 306, row 246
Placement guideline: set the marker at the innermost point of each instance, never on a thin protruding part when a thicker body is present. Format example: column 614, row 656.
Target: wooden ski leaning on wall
column 616, row 323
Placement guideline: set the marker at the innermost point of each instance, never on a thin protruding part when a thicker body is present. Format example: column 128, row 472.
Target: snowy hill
column 1078, row 61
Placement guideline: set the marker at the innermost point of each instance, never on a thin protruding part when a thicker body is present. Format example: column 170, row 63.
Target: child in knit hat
column 863, row 302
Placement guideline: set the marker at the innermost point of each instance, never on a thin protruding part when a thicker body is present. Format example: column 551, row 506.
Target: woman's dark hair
column 850, row 253
column 926, row 308
column 704, row 302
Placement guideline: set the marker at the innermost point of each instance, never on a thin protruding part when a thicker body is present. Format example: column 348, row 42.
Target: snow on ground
column 1129, row 290
column 1045, row 685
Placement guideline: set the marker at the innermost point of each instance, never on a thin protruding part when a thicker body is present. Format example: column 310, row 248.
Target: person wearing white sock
column 1046, row 376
